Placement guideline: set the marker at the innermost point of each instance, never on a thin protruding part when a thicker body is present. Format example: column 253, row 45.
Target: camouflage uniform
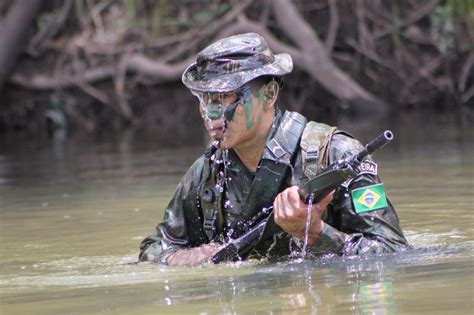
column 345, row 231
column 185, row 223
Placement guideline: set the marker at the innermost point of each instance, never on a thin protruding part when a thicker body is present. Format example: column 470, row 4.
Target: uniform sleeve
column 347, row 232
column 174, row 232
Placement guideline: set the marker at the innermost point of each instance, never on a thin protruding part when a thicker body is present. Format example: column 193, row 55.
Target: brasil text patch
column 369, row 198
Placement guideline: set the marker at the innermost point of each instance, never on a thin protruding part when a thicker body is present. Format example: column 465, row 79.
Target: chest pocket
column 315, row 148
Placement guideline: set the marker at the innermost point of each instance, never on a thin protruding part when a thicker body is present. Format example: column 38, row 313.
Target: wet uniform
column 189, row 220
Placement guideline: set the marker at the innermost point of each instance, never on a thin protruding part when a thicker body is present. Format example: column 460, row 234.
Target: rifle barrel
column 377, row 143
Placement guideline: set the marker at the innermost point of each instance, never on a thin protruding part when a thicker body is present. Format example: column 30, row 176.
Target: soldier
column 257, row 158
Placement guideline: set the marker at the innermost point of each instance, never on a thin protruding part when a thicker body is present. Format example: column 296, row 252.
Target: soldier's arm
column 352, row 226
column 181, row 227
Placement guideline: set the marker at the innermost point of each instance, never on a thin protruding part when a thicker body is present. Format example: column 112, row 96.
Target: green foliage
column 461, row 7
column 442, row 27
column 395, row 35
column 207, row 15
column 46, row 19
column 131, row 9
column 79, row 8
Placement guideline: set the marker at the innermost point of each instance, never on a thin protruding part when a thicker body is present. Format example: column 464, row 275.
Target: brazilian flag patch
column 369, row 198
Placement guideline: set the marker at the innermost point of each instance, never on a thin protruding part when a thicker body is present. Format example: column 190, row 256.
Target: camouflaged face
column 233, row 61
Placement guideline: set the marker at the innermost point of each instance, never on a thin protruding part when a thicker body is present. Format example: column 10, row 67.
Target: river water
column 72, row 215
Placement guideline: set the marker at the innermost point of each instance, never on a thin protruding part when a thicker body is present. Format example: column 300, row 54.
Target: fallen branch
column 317, row 63
column 46, row 82
column 162, row 72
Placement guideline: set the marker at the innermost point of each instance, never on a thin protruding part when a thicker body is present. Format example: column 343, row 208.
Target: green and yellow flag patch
column 369, row 198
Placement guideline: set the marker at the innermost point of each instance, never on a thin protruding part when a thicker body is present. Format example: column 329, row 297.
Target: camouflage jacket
column 346, row 232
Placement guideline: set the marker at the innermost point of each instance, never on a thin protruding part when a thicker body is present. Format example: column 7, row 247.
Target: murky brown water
column 72, row 217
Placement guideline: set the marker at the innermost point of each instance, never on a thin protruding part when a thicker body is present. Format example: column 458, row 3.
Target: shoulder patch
column 369, row 198
column 368, row 167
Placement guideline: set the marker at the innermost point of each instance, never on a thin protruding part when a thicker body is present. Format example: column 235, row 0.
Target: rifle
column 318, row 187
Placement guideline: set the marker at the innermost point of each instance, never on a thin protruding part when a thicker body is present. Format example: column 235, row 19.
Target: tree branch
column 162, row 72
column 333, row 26
column 417, row 15
column 315, row 60
column 51, row 29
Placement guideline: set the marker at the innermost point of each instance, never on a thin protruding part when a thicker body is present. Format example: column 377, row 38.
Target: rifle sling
column 274, row 172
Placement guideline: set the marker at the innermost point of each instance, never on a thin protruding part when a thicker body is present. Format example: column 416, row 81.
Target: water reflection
column 355, row 285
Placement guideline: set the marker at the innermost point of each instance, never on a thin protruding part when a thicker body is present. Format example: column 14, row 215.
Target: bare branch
column 374, row 57
column 315, row 59
column 424, row 72
column 416, row 16
column 161, row 71
column 95, row 93
column 191, row 43
column 51, row 30
column 243, row 24
column 365, row 37
column 293, row 24
column 466, row 69
column 333, row 26
column 46, row 82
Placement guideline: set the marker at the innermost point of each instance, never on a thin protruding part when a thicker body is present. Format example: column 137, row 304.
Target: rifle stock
column 319, row 186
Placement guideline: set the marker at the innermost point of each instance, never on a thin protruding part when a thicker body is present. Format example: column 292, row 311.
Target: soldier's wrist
column 315, row 231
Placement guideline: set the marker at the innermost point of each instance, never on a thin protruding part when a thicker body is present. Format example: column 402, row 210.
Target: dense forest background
column 91, row 65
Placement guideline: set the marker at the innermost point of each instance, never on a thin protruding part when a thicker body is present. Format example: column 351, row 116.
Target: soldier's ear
column 271, row 91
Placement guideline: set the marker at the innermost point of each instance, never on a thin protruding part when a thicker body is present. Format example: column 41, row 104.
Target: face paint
column 249, row 107
column 248, row 113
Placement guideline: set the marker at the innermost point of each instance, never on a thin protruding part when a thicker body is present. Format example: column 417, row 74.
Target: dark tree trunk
column 13, row 32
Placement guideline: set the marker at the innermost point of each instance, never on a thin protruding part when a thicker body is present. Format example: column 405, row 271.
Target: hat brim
column 282, row 65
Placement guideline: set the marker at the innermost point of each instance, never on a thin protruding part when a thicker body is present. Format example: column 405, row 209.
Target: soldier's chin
column 222, row 143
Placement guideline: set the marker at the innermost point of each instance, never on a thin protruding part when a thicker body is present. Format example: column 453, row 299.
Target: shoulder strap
column 315, row 146
column 275, row 167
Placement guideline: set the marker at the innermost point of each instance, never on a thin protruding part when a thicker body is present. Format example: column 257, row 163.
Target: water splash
column 307, row 225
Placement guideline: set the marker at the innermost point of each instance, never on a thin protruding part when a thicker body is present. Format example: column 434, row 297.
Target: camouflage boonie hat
column 233, row 61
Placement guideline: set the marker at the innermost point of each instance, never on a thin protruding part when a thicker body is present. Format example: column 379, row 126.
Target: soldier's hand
column 290, row 214
column 193, row 256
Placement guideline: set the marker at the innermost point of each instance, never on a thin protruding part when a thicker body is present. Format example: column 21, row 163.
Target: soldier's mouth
column 217, row 133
